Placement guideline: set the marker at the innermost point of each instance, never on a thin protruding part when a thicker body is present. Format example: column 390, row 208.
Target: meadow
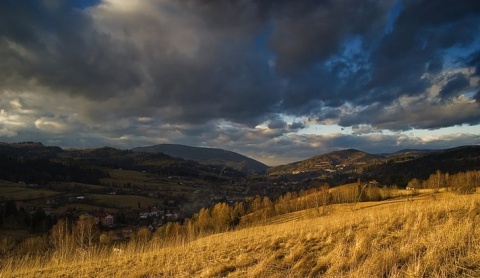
column 17, row 191
column 115, row 201
column 422, row 236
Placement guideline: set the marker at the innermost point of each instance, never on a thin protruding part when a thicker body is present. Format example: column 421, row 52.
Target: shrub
column 33, row 245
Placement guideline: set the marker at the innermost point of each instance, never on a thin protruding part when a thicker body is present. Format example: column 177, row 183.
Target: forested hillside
column 396, row 169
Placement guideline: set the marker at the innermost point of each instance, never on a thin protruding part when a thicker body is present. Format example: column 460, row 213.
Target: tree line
column 224, row 217
column 463, row 182
column 42, row 171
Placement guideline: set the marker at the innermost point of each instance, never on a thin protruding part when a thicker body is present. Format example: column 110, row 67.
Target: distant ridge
column 345, row 159
column 409, row 152
column 207, row 156
column 395, row 168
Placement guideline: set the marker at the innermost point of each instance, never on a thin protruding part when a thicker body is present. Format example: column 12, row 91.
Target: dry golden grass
column 396, row 238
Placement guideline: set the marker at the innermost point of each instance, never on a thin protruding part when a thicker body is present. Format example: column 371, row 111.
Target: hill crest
column 344, row 160
column 207, row 156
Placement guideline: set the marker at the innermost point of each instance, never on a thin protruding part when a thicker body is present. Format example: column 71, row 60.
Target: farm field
column 17, row 191
column 116, row 201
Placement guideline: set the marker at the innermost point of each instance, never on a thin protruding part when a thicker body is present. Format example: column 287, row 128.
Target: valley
column 145, row 203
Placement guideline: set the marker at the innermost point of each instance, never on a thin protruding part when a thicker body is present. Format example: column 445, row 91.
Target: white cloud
column 7, row 133
column 52, row 125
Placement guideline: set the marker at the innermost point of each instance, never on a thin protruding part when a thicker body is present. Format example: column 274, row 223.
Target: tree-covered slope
column 207, row 156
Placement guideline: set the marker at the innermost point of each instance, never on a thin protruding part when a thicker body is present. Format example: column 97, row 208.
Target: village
column 124, row 208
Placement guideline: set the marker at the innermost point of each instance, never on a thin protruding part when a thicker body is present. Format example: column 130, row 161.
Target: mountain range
column 216, row 164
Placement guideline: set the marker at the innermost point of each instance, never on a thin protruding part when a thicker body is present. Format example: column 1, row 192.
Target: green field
column 121, row 178
column 17, row 191
column 116, row 201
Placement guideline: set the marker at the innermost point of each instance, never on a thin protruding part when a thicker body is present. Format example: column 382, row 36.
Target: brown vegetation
column 395, row 238
column 462, row 183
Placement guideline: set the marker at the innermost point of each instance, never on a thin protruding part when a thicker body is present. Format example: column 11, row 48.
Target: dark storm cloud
column 391, row 62
column 194, row 61
column 296, row 126
column 327, row 114
column 306, row 32
column 423, row 30
column 476, row 97
column 218, row 72
column 58, row 46
column 474, row 61
column 103, row 54
column 454, row 86
column 417, row 114
column 200, row 57
column 277, row 123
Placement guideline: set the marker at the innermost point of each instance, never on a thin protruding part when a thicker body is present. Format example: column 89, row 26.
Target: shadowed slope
column 208, row 156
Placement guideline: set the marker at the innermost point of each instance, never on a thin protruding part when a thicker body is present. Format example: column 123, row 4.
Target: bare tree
column 86, row 231
column 325, row 195
column 61, row 236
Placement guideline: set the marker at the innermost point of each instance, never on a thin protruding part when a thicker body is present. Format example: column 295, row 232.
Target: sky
column 278, row 81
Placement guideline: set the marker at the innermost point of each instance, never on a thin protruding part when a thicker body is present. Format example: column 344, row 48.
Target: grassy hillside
column 425, row 237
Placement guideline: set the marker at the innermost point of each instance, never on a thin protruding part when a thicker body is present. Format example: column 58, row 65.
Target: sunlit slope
column 422, row 238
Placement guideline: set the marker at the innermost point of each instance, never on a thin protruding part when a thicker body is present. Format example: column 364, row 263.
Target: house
column 155, row 212
column 109, row 221
column 103, row 218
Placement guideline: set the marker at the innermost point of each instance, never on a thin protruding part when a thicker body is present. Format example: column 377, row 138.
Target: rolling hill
column 396, row 168
column 35, row 163
column 344, row 161
column 453, row 160
column 208, row 156
column 209, row 163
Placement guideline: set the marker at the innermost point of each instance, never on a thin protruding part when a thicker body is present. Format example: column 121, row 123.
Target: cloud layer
column 251, row 76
